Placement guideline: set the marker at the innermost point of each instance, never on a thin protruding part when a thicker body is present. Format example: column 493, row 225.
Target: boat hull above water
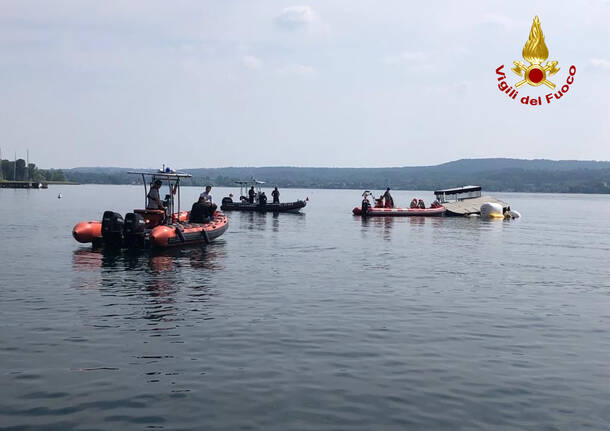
column 174, row 234
column 285, row 207
column 401, row 212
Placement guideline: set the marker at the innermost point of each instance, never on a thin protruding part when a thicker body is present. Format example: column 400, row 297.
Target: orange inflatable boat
column 151, row 228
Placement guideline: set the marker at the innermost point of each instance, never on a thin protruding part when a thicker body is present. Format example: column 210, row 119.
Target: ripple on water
column 317, row 322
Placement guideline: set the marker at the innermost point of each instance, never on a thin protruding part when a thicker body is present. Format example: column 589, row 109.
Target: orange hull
column 87, row 231
column 193, row 233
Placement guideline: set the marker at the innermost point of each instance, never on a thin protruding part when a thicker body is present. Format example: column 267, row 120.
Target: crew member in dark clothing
column 389, row 201
column 262, row 199
column 251, row 194
column 202, row 211
column 365, row 205
column 199, row 212
column 276, row 195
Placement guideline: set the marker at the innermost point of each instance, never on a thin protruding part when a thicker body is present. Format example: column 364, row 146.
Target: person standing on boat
column 276, row 195
column 153, row 199
column 251, row 194
column 389, row 201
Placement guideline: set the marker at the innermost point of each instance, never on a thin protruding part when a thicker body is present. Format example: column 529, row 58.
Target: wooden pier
column 23, row 185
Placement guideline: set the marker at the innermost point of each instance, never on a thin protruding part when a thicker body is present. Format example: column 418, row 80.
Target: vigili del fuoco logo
column 535, row 52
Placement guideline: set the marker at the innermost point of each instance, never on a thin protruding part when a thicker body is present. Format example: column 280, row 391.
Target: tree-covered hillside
column 569, row 176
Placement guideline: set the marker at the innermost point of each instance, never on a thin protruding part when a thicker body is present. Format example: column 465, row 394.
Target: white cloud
column 411, row 60
column 251, row 62
column 600, row 63
column 502, row 20
column 295, row 17
column 297, row 69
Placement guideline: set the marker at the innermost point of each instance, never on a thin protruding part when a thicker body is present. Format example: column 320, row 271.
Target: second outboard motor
column 112, row 228
column 135, row 226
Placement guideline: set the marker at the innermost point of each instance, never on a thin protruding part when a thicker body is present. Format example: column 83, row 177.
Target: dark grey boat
column 259, row 202
column 285, row 207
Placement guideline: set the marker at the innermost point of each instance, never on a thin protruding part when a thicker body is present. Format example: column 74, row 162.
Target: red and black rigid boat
column 152, row 228
column 401, row 212
column 366, row 210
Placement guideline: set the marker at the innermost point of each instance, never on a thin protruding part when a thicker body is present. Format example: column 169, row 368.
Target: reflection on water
column 154, row 275
column 202, row 257
column 252, row 220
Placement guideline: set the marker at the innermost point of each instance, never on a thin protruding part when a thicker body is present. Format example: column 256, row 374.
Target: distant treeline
column 513, row 175
column 20, row 171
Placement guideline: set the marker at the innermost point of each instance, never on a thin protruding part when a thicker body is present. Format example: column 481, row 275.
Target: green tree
column 57, row 175
column 21, row 171
column 32, row 172
column 7, row 169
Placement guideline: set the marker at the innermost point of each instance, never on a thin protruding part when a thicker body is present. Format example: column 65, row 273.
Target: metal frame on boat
column 173, row 181
column 457, row 194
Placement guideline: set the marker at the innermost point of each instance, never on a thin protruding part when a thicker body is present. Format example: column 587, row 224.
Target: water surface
column 307, row 322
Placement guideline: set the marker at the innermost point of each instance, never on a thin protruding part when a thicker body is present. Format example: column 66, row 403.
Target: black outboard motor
column 365, row 207
column 135, row 234
column 112, row 229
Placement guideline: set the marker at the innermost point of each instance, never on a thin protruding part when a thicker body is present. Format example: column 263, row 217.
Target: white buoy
column 491, row 210
column 59, row 196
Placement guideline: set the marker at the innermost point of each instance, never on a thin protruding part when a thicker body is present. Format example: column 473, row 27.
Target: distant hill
column 497, row 174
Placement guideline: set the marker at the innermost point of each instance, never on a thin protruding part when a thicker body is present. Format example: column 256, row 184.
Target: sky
column 189, row 84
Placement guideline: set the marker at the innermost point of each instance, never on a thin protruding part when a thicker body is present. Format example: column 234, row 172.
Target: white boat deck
column 470, row 206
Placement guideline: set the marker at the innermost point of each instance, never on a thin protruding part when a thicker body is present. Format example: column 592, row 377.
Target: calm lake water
column 319, row 321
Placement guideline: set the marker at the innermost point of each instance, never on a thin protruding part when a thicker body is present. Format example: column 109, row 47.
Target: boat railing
column 458, row 194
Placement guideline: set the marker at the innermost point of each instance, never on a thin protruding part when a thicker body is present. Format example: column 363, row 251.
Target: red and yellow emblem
column 535, row 52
